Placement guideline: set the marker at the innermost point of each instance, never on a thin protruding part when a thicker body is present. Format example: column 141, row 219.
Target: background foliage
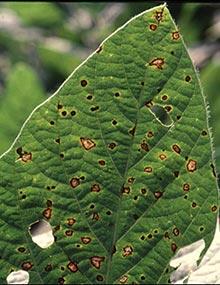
column 41, row 44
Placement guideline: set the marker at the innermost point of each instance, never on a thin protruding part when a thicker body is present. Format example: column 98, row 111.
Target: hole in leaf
column 18, row 277
column 41, row 233
column 161, row 115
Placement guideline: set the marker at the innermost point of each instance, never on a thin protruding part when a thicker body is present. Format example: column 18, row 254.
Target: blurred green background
column 42, row 43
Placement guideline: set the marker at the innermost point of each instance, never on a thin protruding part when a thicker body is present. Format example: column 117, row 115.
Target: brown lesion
column 191, row 165
column 72, row 266
column 157, row 62
column 102, row 162
column 47, row 213
column 87, row 143
column 96, row 216
column 150, row 134
column 149, row 103
column 125, row 190
column 27, row 265
column 24, row 156
column 214, row 208
column 112, row 145
column 162, row 156
column 175, row 35
column 131, row 180
column 86, row 240
column 96, row 261
column 95, row 188
column 158, row 194
column 123, row 279
column 148, row 169
column 127, row 250
column 74, row 182
column 48, row 268
column 176, row 231
column 68, row 233
column 158, row 15
column 144, row 146
column 173, row 247
column 176, row 148
column 71, row 221
column 153, row 27
column 186, row 187
column 168, row 108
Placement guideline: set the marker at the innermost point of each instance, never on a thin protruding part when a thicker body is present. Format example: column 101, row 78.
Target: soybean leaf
column 119, row 161
column 22, row 93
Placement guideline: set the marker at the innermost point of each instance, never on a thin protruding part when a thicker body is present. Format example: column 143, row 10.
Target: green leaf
column 22, row 93
column 122, row 190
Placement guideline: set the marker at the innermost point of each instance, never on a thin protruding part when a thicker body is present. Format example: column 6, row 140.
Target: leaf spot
column 95, row 216
column 214, row 208
column 71, row 221
column 47, row 213
column 126, row 190
column 83, row 83
column 69, row 233
column 164, row 97
column 87, row 143
column 95, row 188
column 128, row 250
column 72, row 266
column 150, row 134
column 213, row 169
column 132, row 131
column 48, row 268
column 27, row 265
column 96, row 261
column 148, row 169
column 162, row 156
column 95, row 108
column 157, row 62
column 191, row 165
column 175, row 35
column 153, row 27
column 99, row 49
column 85, row 240
column 186, row 187
column 123, row 279
column 102, row 162
column 188, row 78
column 158, row 194
column 144, row 146
column 176, row 148
column 74, row 182
column 173, row 247
column 176, row 231
column 99, row 278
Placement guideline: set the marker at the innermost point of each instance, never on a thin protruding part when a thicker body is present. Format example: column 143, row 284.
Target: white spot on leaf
column 18, row 277
column 41, row 233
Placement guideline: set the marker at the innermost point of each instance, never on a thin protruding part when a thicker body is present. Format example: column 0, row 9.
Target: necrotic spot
column 52, row 122
column 117, row 94
column 93, row 109
column 99, row 278
column 187, row 78
column 83, row 83
column 102, row 162
column 61, row 155
column 73, row 113
column 64, row 113
column 89, row 97
column 164, row 97
column 114, row 122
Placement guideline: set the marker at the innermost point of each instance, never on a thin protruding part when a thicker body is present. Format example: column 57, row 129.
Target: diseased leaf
column 122, row 188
